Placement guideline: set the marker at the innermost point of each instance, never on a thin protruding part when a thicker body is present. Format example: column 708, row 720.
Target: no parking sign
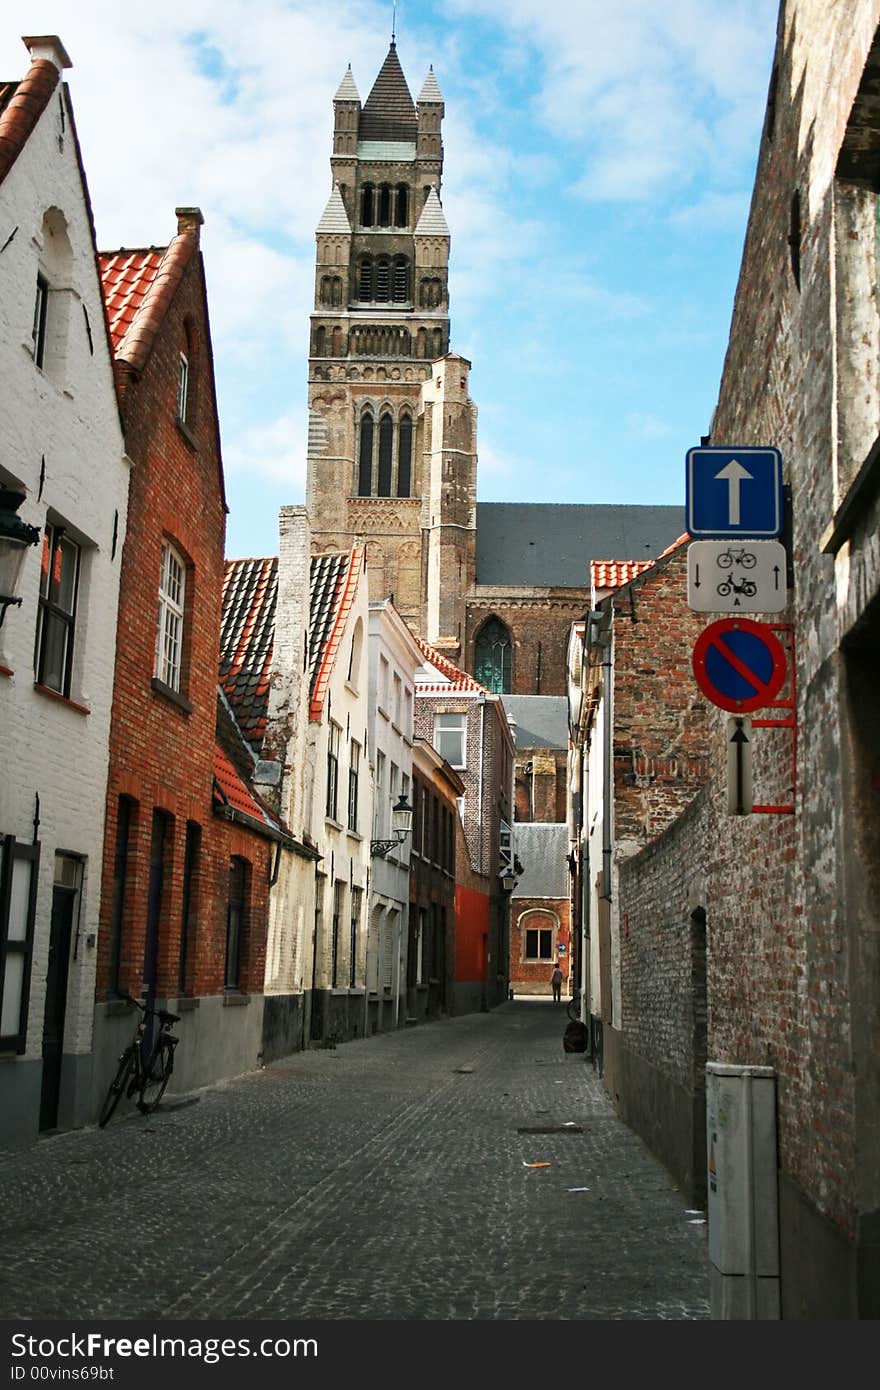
column 739, row 665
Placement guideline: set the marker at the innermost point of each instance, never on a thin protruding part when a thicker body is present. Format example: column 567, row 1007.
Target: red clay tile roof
column 126, row 276
column 230, row 789
column 611, row 574
column 247, row 634
column 333, row 585
column 21, row 106
column 456, row 678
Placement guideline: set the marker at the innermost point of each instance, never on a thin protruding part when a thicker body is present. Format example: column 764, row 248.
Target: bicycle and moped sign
column 736, row 576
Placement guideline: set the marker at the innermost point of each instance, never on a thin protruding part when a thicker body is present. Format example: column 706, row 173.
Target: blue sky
column 599, row 160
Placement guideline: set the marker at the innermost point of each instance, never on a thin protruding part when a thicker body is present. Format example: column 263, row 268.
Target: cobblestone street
column 384, row 1179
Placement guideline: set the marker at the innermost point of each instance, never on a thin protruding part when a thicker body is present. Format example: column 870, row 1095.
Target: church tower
column 392, row 429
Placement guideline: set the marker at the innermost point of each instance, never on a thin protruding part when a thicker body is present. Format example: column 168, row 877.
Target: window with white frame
column 539, row 943
column 182, row 386
column 449, row 738
column 59, row 581
column 379, row 803
column 169, row 635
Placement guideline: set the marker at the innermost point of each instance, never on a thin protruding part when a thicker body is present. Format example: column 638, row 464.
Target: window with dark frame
column 334, row 735
column 386, row 448
column 59, row 582
column 18, row 905
column 365, row 456
column 353, row 778
column 404, row 456
column 189, row 904
column 355, row 924
column 338, row 891
column 38, row 332
column 125, row 815
column 236, row 907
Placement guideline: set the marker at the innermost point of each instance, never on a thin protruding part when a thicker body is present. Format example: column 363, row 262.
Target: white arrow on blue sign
column 734, row 492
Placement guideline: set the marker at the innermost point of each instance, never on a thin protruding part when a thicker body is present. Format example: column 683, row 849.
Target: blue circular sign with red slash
column 739, row 665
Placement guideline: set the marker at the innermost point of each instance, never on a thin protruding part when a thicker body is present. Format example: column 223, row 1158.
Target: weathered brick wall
column 540, row 625
column 162, row 753
column 529, row 914
column 660, row 717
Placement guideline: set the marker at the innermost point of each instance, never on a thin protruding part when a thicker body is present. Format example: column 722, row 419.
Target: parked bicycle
column 143, row 1070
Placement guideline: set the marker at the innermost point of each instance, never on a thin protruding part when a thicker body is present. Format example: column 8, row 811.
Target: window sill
column 185, row 1004
column 235, row 1000
column 354, row 834
column 187, row 433
column 172, row 696
column 61, row 699
column 333, row 824
column 384, row 713
column 352, row 689
column 117, row 1008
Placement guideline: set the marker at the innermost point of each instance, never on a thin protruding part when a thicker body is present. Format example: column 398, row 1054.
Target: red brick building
column 189, row 849
column 431, row 954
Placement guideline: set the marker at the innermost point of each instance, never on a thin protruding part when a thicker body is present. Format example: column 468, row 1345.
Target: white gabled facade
column 394, row 656
column 61, row 446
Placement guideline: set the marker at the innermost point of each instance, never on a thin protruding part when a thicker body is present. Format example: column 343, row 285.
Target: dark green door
column 63, row 904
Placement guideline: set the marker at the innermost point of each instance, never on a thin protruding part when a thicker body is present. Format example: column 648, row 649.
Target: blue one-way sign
column 734, row 492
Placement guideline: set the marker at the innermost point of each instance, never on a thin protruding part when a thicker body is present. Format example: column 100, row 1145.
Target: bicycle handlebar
column 161, row 1014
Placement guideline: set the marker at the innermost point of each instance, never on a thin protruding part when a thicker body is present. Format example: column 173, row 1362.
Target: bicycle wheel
column 124, row 1071
column 157, row 1076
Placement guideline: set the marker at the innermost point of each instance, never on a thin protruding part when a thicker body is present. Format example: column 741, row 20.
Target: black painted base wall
column 283, row 1017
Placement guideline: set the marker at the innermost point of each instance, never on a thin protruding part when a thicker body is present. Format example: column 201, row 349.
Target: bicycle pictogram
column 743, row 557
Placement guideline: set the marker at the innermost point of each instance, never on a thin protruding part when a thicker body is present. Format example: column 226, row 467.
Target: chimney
column 189, row 220
column 48, row 48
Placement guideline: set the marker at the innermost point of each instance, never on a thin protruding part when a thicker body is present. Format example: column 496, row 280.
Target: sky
column 599, row 157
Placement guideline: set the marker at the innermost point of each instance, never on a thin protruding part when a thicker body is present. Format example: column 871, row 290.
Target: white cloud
column 714, row 212
column 275, row 450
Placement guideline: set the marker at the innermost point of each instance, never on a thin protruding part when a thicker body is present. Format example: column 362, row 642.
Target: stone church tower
column 392, row 429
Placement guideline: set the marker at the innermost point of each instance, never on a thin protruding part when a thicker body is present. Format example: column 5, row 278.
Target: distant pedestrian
column 556, row 982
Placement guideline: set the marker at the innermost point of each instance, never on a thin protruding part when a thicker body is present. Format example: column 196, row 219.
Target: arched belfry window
column 365, row 278
column 401, row 210
column 382, row 280
column 492, row 657
column 365, row 456
column 384, row 218
column 386, row 450
column 404, row 456
column 401, row 279
column 367, row 205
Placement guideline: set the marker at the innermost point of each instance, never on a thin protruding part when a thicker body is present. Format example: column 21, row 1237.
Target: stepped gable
column 247, row 633
column 389, row 112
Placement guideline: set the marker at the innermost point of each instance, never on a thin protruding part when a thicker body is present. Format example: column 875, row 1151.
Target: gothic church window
column 386, row 445
column 401, row 211
column 404, row 456
column 365, row 457
column 367, row 205
column 384, row 205
column 492, row 657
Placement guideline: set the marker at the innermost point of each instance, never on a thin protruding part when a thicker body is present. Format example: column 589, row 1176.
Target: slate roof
column 548, row 545
column 347, row 91
column 430, row 90
column 432, row 221
column 389, row 112
column 445, row 675
column 333, row 584
column 541, row 720
column 542, row 848
column 334, row 217
column 247, row 632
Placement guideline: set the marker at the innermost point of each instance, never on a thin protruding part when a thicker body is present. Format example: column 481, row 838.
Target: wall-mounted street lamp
column 509, row 881
column 401, row 824
column 15, row 537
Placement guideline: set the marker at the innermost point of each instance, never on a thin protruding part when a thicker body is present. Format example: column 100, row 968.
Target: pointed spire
column 389, row 112
column 432, row 221
column 430, row 90
column 335, row 218
column 347, row 89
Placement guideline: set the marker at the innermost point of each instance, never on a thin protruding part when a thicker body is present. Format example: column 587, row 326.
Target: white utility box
column 742, row 1191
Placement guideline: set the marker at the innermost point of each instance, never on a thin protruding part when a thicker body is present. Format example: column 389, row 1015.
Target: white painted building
column 62, row 450
column 394, row 656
